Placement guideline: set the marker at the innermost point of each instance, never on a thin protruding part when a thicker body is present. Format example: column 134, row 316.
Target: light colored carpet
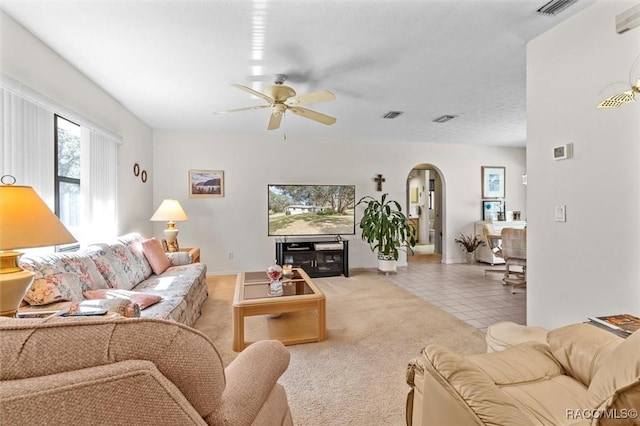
column 356, row 376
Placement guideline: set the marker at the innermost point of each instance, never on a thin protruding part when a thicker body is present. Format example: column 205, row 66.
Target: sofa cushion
column 125, row 260
column 156, row 256
column 133, row 241
column 183, row 289
column 114, row 265
column 616, row 385
column 581, row 348
column 77, row 263
column 144, row 300
column 52, row 288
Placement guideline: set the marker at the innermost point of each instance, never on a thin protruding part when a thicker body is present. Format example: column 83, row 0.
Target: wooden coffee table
column 299, row 294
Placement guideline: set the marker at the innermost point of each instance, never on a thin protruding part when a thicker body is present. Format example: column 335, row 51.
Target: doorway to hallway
column 424, row 211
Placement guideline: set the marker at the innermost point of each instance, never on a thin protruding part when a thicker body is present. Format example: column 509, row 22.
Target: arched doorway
column 425, row 195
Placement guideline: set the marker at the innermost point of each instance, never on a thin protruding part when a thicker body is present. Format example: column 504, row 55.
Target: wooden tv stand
column 318, row 258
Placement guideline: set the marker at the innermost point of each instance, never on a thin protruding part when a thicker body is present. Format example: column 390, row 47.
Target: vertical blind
column 27, row 148
column 98, row 184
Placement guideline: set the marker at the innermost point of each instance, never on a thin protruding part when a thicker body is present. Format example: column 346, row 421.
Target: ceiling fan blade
column 617, row 100
column 253, row 92
column 311, row 98
column 274, row 121
column 243, row 109
column 313, row 115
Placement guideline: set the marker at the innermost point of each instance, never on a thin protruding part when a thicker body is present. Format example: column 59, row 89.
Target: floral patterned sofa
column 64, row 278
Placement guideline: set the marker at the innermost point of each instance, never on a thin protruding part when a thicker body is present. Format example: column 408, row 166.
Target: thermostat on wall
column 563, row 152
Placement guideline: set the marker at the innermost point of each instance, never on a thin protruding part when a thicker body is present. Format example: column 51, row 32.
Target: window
column 67, row 172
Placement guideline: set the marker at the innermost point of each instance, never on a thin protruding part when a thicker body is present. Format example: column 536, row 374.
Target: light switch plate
column 561, row 213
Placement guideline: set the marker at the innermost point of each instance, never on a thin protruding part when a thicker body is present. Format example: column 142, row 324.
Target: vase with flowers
column 469, row 243
column 275, row 280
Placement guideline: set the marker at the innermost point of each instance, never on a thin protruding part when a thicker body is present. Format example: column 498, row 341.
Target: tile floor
column 464, row 291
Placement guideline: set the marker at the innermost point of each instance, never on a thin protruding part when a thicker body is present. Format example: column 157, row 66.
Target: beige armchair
column 134, row 372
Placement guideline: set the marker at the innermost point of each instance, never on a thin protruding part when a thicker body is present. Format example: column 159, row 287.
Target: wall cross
column 379, row 179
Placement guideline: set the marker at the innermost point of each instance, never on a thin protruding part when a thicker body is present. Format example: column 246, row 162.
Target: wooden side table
column 194, row 253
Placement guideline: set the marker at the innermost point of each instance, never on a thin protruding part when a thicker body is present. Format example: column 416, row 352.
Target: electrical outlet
column 230, row 255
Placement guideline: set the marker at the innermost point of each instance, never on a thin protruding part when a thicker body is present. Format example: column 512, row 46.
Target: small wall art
column 493, row 182
column 206, row 183
column 491, row 209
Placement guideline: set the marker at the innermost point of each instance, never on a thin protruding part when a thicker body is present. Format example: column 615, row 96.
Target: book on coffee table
column 623, row 324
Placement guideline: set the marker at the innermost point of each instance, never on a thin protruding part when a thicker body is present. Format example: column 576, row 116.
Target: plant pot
column 471, row 257
column 386, row 263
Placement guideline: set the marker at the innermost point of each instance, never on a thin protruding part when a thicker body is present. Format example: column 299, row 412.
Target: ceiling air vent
column 555, row 6
column 444, row 118
column 392, row 114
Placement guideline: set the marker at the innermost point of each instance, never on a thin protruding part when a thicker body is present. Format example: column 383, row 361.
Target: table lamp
column 25, row 222
column 171, row 211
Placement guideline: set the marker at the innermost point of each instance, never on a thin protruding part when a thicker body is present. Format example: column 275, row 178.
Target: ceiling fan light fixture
column 444, row 118
column 392, row 114
column 554, row 7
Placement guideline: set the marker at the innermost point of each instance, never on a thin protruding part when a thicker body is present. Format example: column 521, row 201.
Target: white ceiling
column 172, row 63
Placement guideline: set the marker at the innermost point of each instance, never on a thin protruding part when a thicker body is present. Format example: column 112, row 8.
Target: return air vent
column 554, row 7
column 392, row 114
column 444, row 118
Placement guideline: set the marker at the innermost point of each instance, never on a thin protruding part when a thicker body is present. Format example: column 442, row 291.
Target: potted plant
column 470, row 243
column 385, row 227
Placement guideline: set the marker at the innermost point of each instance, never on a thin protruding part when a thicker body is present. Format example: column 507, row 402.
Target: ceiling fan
column 627, row 96
column 281, row 98
column 621, row 98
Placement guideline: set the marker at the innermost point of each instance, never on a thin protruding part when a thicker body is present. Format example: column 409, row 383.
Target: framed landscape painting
column 206, row 183
column 493, row 179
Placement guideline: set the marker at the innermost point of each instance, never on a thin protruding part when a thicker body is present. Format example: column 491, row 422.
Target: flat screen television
column 297, row 210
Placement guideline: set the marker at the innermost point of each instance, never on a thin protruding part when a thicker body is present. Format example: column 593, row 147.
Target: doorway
column 424, row 210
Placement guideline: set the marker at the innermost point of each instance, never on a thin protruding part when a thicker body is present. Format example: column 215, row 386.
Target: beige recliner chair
column 583, row 375
column 73, row 371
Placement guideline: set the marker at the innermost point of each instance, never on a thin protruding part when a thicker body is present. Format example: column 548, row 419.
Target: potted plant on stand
column 469, row 243
column 385, row 227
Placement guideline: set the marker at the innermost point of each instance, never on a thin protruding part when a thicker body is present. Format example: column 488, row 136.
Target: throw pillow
column 144, row 300
column 153, row 251
column 54, row 288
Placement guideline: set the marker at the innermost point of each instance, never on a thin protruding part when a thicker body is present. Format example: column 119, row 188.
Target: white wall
column 238, row 222
column 25, row 59
column 590, row 264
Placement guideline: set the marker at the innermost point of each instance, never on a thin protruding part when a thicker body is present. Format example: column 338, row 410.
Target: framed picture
column 414, row 194
column 493, row 179
column 491, row 209
column 206, row 183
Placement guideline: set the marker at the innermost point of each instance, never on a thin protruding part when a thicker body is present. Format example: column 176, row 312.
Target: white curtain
column 28, row 153
column 27, row 145
column 98, row 186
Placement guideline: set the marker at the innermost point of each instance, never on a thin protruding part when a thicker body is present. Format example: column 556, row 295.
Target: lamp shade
column 171, row 211
column 26, row 221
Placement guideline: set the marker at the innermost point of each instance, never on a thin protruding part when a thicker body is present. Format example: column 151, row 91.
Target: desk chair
column 514, row 252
